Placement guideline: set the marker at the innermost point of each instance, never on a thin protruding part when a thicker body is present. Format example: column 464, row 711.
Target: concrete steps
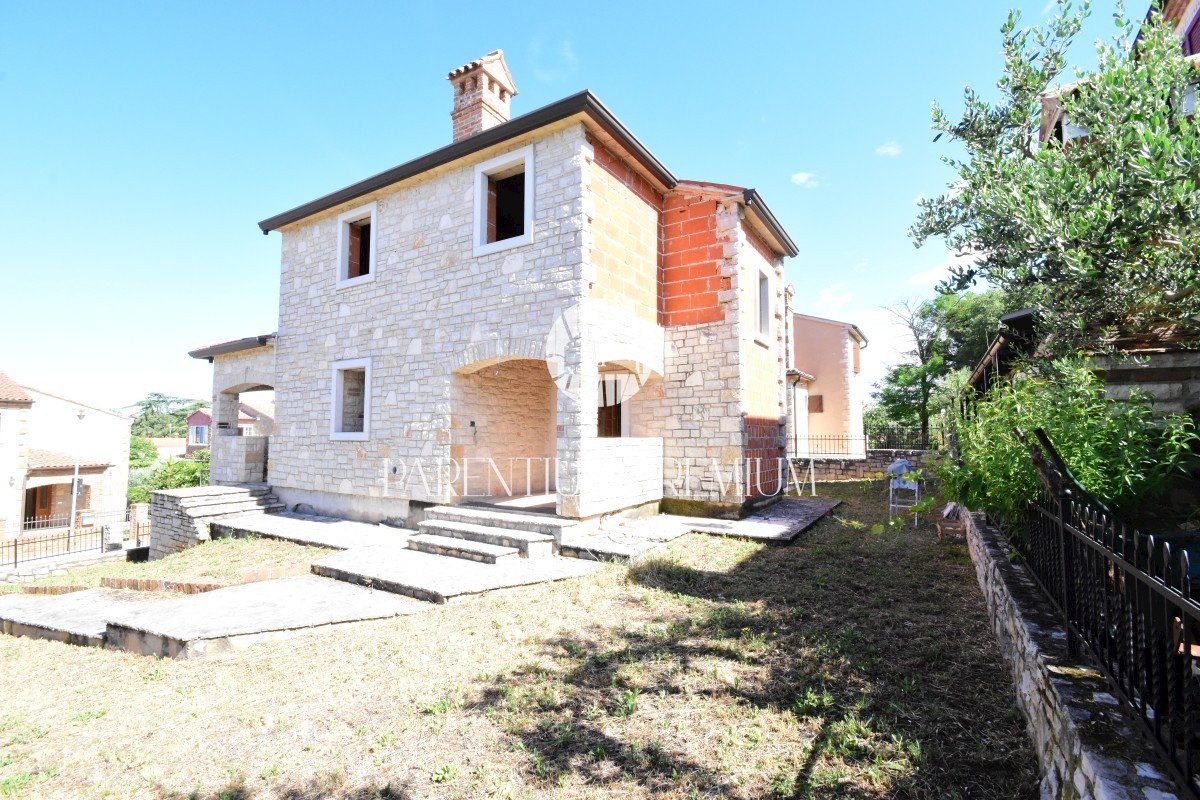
column 461, row 548
column 530, row 544
column 497, row 518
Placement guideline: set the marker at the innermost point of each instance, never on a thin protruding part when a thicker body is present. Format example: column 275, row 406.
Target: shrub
column 1120, row 450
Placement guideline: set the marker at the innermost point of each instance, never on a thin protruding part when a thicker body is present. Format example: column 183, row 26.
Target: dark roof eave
column 581, row 103
column 236, row 346
column 755, row 203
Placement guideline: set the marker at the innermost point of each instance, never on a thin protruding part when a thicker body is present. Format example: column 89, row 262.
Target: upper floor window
column 350, row 405
column 356, row 246
column 764, row 305
column 504, row 202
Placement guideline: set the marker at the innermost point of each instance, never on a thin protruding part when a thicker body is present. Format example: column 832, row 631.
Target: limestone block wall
column 504, row 414
column 871, row 466
column 431, row 308
column 181, row 518
column 1087, row 746
column 238, row 459
column 620, row 473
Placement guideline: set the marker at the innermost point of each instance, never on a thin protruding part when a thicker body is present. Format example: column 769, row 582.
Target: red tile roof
column 48, row 459
column 10, row 392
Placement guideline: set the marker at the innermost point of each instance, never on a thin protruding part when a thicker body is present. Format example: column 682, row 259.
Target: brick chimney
column 482, row 90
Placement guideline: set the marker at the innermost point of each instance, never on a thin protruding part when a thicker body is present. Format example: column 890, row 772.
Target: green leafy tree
column 1121, row 451
column 1100, row 234
column 142, row 452
column 162, row 415
column 968, row 322
column 905, row 394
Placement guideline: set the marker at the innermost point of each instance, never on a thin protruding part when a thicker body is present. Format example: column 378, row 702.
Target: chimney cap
column 493, row 64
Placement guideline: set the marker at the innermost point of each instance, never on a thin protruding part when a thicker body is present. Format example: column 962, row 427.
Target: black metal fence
column 51, row 537
column 837, row 446
column 1126, row 599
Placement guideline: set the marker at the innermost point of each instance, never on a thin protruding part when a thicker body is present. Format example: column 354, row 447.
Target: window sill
column 350, row 283
column 504, row 244
column 349, row 437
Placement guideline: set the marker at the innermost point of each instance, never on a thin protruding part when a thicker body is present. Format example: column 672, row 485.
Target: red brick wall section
column 692, row 257
column 764, row 454
column 612, row 164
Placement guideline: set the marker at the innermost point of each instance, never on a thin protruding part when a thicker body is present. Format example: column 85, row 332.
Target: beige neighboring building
column 538, row 308
column 827, row 391
column 42, row 436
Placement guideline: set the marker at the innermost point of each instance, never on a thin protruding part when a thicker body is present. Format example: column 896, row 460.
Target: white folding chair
column 903, row 494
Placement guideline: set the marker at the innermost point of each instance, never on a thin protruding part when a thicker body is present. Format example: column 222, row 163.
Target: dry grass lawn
column 851, row 664
column 218, row 561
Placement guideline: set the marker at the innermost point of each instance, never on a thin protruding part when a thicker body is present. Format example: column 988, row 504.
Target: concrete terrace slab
column 623, row 540
column 309, row 529
column 75, row 618
column 239, row 616
column 779, row 524
column 438, row 578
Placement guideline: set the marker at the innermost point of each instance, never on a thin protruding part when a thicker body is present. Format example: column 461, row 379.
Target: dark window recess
column 506, row 207
column 609, row 422
column 1191, row 42
column 358, row 261
column 816, row 403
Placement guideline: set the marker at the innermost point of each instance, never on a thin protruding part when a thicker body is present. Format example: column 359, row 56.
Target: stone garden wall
column 1088, row 747
column 857, row 469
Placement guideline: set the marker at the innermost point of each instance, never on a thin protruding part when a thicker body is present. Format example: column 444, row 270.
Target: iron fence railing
column 50, row 537
column 1126, row 599
column 839, row 446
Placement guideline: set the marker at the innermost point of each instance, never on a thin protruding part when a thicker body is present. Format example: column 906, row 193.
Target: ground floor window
column 350, row 405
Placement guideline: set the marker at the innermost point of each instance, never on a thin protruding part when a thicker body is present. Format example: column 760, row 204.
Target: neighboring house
column 42, row 438
column 251, row 422
column 542, row 292
column 169, row 447
column 828, row 394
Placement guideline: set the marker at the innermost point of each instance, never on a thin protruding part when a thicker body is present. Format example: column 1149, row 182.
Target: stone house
column 42, row 437
column 539, row 313
column 827, row 392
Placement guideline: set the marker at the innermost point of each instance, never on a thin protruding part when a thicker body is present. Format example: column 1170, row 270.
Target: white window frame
column 480, row 245
column 344, row 221
column 194, row 439
column 763, row 307
column 335, row 401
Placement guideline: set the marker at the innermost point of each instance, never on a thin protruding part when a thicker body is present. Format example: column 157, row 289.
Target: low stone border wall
column 874, row 464
column 159, row 585
column 1088, row 746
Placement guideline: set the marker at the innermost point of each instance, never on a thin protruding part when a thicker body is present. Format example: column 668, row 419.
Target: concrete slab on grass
column 310, row 529
column 778, row 524
column 239, row 616
column 438, row 578
column 75, row 618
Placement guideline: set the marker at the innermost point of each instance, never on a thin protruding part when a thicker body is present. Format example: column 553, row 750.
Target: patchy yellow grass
column 217, row 561
column 850, row 664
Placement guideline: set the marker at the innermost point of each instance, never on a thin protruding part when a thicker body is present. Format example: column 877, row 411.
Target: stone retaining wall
column 858, row 469
column 1087, row 745
column 180, row 518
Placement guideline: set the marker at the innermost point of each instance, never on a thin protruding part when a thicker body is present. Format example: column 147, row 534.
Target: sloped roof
column 48, row 459
column 10, row 392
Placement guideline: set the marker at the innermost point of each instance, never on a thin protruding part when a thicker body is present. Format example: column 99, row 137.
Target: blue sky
column 140, row 144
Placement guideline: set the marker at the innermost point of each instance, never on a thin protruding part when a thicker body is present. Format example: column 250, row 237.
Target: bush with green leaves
column 175, row 474
column 1120, row 450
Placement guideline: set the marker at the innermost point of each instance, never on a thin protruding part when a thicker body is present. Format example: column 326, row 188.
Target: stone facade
column 1089, row 749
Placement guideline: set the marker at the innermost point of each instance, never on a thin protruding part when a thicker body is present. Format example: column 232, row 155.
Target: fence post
column 1067, row 562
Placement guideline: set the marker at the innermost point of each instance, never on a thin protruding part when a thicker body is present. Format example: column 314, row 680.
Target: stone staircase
column 487, row 535
column 180, row 518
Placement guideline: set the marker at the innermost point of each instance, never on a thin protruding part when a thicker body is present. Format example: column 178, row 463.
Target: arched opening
column 243, row 421
column 504, row 434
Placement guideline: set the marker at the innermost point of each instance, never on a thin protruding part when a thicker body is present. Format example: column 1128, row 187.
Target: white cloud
column 553, row 63
column 1046, row 9
column 889, row 149
column 806, row 179
column 939, row 272
column 921, row 198
column 832, row 299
